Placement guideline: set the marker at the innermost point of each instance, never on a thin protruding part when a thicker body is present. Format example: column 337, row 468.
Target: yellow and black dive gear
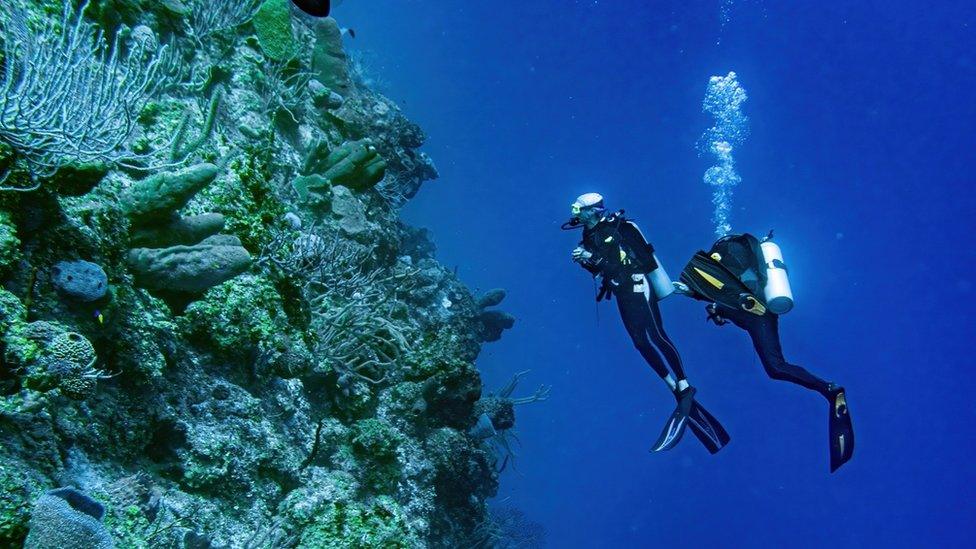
column 841, row 429
column 712, row 281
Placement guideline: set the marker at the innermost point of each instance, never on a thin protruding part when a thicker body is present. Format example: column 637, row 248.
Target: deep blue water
column 860, row 155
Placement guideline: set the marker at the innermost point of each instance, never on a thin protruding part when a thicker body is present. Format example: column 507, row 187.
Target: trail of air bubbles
column 726, row 10
column 723, row 100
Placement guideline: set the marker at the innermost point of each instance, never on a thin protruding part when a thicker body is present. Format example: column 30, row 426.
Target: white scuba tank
column 660, row 281
column 779, row 296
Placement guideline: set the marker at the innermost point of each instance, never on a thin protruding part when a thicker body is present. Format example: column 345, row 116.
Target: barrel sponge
column 67, row 518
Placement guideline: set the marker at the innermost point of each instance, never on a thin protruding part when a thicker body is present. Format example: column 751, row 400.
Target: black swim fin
column 708, row 430
column 674, row 428
column 841, row 429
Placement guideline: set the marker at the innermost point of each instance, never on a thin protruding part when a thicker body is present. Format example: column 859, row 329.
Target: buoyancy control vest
column 731, row 273
column 619, row 248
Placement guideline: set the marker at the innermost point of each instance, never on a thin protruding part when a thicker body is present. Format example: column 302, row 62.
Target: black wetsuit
column 622, row 257
column 742, row 256
column 764, row 331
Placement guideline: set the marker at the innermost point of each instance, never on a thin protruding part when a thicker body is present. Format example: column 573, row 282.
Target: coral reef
column 214, row 326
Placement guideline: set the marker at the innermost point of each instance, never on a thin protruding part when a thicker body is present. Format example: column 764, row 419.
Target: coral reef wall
column 216, row 332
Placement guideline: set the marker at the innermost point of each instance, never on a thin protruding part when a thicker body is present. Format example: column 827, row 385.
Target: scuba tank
column 660, row 281
column 779, row 296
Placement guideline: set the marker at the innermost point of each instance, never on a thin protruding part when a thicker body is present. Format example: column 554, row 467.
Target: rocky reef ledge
column 214, row 329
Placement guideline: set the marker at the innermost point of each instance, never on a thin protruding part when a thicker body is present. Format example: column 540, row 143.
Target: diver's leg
column 641, row 323
column 637, row 316
column 661, row 340
column 764, row 331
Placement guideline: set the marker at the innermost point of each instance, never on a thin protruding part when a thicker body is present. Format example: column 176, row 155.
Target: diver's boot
column 841, row 429
column 685, row 399
column 674, row 428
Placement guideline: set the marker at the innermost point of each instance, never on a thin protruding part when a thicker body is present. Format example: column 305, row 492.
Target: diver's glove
column 681, row 288
column 580, row 255
column 712, row 310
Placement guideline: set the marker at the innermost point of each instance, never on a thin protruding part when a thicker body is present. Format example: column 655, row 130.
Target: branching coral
column 67, row 95
column 359, row 341
column 352, row 305
column 282, row 87
column 210, row 16
column 507, row 528
column 542, row 393
column 328, row 266
column 499, row 407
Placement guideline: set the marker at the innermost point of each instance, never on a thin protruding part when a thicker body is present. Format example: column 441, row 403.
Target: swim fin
column 708, row 430
column 841, row 429
column 674, row 428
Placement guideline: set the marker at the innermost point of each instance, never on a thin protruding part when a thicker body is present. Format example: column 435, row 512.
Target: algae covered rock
column 350, row 212
column 67, row 518
column 451, row 396
column 236, row 316
column 313, row 189
column 189, row 269
column 142, row 333
column 19, row 351
column 323, row 97
column 15, row 505
column 9, row 243
column 272, row 24
column 462, row 472
column 76, row 179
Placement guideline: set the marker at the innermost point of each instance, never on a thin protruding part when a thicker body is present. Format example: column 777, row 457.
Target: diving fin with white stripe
column 674, row 428
column 708, row 430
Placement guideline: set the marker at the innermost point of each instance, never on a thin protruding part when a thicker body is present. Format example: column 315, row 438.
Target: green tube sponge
column 156, row 198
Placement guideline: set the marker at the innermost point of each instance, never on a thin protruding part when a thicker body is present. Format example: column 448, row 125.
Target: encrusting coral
column 252, row 350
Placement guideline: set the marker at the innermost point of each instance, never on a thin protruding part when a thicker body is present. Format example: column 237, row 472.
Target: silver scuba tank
column 660, row 281
column 779, row 296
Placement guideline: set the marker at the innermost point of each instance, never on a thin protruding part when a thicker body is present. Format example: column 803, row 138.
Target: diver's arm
column 587, row 260
column 635, row 241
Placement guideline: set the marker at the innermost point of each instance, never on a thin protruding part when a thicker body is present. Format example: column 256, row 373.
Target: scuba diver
column 614, row 250
column 745, row 282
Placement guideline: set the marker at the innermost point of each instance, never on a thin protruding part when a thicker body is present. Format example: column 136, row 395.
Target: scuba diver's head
column 587, row 211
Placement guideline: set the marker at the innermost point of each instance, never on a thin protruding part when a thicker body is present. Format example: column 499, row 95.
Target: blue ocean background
column 861, row 156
